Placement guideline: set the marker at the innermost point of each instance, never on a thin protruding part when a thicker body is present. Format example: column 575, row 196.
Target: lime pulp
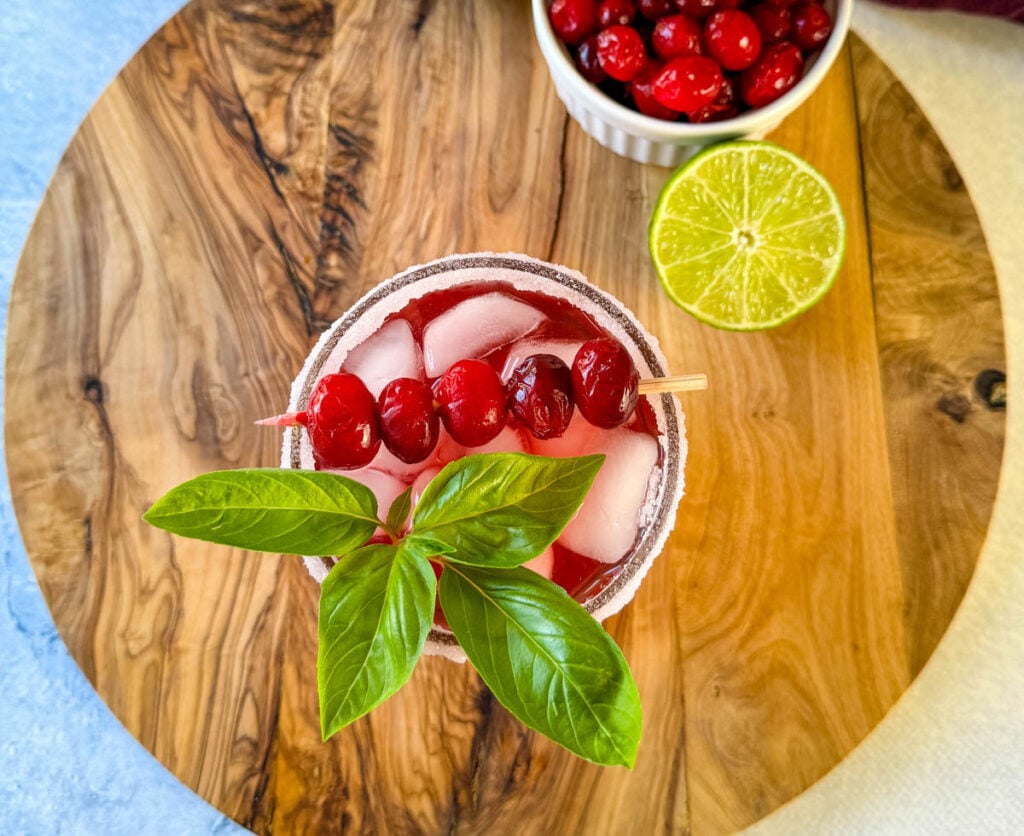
column 747, row 235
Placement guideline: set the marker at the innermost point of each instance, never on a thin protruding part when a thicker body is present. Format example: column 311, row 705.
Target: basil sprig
column 502, row 510
column 541, row 654
column 545, row 659
column 269, row 510
column 376, row 608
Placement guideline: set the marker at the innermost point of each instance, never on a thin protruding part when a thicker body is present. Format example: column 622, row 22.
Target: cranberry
column 342, row 423
column 408, row 424
column 698, row 9
column 633, row 50
column 573, row 20
column 688, row 83
column 725, row 106
column 621, row 52
column 777, row 70
column 811, row 26
column 587, row 63
column 540, row 395
column 471, row 402
column 773, row 21
column 732, row 39
column 676, row 35
column 604, row 382
column 612, row 12
column 654, row 9
column 641, row 89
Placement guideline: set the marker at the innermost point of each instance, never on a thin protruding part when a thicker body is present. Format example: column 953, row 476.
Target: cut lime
column 746, row 235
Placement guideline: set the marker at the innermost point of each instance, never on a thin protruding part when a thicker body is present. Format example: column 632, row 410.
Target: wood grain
column 940, row 338
column 789, row 661
column 253, row 170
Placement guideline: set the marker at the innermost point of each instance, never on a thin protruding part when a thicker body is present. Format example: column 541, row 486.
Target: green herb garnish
column 541, row 654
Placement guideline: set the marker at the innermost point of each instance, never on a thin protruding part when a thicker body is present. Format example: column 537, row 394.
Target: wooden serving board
column 260, row 165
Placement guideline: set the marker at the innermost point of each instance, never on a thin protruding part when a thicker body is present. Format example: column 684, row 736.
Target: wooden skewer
column 651, row 386
column 679, row 383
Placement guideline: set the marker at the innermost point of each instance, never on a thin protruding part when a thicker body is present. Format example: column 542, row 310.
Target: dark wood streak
column 263, row 799
column 422, row 13
column 343, row 206
column 272, row 167
column 956, row 405
column 990, row 385
column 87, row 540
column 93, row 389
column 285, row 24
column 556, row 224
column 314, row 324
column 677, row 803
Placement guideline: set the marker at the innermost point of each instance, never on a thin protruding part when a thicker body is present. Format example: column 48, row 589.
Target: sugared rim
column 667, row 410
column 747, row 123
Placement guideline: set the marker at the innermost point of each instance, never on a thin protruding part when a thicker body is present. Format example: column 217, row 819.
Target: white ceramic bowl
column 649, row 140
column 367, row 315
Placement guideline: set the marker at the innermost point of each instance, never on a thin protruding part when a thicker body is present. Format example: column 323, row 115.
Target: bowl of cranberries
column 499, row 353
column 654, row 80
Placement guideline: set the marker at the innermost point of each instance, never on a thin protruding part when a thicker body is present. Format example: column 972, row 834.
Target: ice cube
column 447, row 449
column 384, row 486
column 390, row 353
column 475, row 327
column 543, row 564
column 564, row 350
column 421, row 482
column 389, row 463
column 509, row 440
column 580, row 438
column 608, row 521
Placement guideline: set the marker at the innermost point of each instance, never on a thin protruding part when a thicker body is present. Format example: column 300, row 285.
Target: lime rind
column 786, row 209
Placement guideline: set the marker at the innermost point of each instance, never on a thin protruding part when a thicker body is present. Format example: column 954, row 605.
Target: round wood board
column 256, row 168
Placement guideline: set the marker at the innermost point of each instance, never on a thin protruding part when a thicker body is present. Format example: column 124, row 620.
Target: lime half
column 746, row 235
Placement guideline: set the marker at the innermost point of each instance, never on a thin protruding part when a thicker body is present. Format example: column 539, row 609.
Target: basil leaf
column 502, row 509
column 376, row 608
column 545, row 659
column 286, row 511
column 399, row 512
column 424, row 547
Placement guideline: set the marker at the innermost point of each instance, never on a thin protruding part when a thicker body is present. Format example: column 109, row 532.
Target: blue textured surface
column 66, row 764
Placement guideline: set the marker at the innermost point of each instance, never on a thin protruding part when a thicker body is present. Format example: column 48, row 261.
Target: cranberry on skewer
column 409, row 425
column 605, row 382
column 470, row 399
column 540, row 395
column 346, row 426
column 342, row 422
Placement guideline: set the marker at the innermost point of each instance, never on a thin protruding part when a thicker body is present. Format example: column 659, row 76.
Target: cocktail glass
column 367, row 341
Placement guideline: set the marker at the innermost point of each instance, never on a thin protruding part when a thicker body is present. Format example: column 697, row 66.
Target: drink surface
column 502, row 325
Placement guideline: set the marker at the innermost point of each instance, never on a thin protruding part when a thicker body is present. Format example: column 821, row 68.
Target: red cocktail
column 502, row 309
